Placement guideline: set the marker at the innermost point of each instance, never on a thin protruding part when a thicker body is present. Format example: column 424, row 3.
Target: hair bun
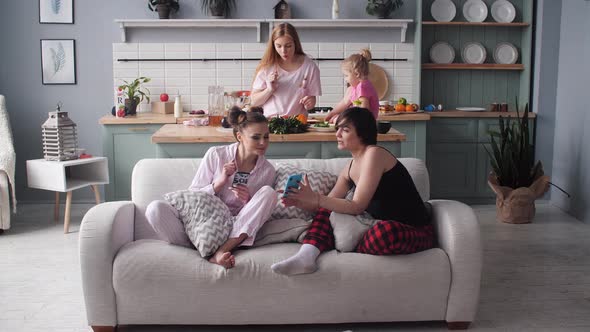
column 236, row 116
column 257, row 109
column 366, row 53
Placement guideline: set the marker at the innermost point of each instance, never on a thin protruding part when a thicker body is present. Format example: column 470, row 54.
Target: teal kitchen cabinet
column 457, row 159
column 124, row 146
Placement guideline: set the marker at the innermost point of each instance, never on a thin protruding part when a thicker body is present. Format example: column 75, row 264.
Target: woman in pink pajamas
column 250, row 203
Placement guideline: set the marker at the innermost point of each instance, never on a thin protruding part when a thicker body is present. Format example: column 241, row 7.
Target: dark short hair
column 240, row 119
column 363, row 122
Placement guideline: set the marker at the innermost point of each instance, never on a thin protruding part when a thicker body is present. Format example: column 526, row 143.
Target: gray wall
column 571, row 151
column 28, row 101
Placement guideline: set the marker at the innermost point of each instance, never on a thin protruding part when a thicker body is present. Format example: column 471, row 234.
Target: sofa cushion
column 157, row 283
column 207, row 220
column 321, row 181
column 281, row 230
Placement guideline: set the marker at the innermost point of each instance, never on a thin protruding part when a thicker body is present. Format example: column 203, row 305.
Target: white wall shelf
column 346, row 23
column 124, row 24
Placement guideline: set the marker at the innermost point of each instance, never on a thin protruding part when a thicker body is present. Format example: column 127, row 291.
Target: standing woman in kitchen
column 287, row 81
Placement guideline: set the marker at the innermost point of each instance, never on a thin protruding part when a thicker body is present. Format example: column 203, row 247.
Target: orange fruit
column 400, row 108
column 411, row 108
column 302, row 118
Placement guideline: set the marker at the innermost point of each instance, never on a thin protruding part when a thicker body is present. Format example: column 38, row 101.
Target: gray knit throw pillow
column 207, row 220
column 321, row 181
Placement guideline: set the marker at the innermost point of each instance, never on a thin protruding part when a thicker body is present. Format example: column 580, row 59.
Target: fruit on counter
column 411, row 107
column 121, row 113
column 402, row 101
column 302, row 118
column 322, row 124
column 193, row 112
column 164, row 97
column 400, row 108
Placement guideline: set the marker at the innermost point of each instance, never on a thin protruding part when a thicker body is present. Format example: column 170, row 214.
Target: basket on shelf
column 60, row 139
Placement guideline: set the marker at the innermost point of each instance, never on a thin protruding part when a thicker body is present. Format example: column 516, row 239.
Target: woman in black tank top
column 382, row 187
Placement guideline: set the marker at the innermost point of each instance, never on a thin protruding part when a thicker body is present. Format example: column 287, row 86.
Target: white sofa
column 7, row 166
column 130, row 278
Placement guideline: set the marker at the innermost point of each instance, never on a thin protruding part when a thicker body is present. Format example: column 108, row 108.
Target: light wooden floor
column 536, row 277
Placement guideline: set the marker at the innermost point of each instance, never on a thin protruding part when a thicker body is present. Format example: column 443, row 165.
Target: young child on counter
column 355, row 69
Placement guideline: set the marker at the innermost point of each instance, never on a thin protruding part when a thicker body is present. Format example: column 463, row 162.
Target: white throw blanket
column 7, row 159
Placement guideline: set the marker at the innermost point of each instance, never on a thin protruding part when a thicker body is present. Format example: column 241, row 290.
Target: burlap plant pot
column 517, row 206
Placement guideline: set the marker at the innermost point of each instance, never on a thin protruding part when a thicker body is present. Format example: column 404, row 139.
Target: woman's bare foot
column 225, row 259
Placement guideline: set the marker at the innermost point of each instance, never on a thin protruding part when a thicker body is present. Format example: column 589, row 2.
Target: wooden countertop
column 177, row 133
column 464, row 114
column 155, row 118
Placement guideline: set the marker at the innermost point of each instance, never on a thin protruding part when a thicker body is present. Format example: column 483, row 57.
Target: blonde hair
column 358, row 64
column 271, row 57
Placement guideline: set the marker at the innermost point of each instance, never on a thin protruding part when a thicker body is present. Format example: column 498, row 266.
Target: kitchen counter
column 177, row 133
column 466, row 114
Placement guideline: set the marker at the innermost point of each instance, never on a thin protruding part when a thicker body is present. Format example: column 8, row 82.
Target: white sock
column 304, row 261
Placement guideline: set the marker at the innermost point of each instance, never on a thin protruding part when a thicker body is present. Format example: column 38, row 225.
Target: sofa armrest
column 458, row 235
column 104, row 230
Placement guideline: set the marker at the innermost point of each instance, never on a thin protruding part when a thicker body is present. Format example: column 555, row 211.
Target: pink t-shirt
column 366, row 89
column 292, row 86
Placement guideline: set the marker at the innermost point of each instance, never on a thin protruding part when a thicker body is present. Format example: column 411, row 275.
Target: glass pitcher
column 216, row 105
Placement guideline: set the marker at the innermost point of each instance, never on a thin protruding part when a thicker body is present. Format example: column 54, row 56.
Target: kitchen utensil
column 475, row 11
column 473, row 52
column 443, row 10
column 442, row 52
column 378, row 78
column 505, row 53
column 503, row 11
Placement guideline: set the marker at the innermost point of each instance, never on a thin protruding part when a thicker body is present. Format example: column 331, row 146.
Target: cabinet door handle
column 139, row 129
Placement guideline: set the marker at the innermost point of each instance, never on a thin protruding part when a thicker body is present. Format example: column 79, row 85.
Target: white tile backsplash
column 191, row 78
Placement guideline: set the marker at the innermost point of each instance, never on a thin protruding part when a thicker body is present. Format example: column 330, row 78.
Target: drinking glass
column 216, row 105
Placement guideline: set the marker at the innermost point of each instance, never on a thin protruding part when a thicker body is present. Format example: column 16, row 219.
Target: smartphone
column 292, row 182
column 240, row 178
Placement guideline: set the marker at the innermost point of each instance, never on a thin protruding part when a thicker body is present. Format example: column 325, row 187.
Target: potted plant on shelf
column 516, row 178
column 164, row 7
column 383, row 8
column 134, row 93
column 218, row 8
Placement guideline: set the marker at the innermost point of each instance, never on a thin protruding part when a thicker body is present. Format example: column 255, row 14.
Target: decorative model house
column 282, row 10
column 60, row 139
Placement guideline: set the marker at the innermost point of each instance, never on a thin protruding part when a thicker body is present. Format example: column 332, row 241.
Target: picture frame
column 58, row 61
column 56, row 11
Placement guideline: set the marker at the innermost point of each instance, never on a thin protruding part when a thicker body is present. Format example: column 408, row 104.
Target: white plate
column 443, row 10
column 503, row 11
column 442, row 52
column 505, row 53
column 473, row 53
column 324, row 129
column 471, row 109
column 475, row 11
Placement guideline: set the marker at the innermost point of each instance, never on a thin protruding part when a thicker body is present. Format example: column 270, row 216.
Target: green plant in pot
column 383, row 8
column 164, row 7
column 135, row 93
column 516, row 178
column 218, row 8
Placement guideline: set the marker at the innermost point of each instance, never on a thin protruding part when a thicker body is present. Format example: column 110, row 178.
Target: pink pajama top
column 366, row 89
column 211, row 167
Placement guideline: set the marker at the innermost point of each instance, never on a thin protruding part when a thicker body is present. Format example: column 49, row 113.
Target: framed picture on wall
column 56, row 11
column 58, row 61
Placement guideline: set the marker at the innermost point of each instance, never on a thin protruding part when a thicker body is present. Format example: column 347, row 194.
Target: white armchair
column 7, row 165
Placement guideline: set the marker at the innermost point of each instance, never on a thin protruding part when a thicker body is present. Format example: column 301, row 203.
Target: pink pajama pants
column 166, row 222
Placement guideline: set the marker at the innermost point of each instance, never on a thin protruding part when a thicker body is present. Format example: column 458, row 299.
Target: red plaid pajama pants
column 386, row 237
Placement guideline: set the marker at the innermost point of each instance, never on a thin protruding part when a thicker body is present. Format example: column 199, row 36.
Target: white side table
column 67, row 176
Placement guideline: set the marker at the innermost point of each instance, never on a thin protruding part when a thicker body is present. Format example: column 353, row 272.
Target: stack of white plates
column 503, row 11
column 505, row 53
column 475, row 11
column 473, row 53
column 443, row 10
column 442, row 52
